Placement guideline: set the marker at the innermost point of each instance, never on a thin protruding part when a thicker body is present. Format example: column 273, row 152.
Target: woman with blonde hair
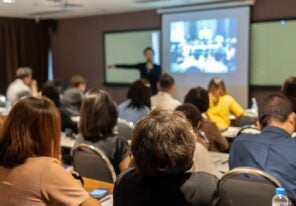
column 30, row 170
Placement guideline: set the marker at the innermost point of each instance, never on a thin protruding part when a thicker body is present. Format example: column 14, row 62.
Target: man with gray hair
column 22, row 86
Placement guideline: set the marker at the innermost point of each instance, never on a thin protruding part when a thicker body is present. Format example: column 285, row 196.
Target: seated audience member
column 51, row 91
column 72, row 97
column 22, row 86
column 163, row 145
column 273, row 150
column 138, row 101
column 164, row 99
column 199, row 97
column 222, row 104
column 201, row 159
column 289, row 90
column 30, row 170
column 98, row 117
column 194, row 117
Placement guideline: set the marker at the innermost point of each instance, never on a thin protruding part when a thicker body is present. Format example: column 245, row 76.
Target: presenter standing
column 148, row 70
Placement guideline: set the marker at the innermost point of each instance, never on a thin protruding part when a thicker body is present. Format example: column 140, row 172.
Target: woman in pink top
column 30, row 172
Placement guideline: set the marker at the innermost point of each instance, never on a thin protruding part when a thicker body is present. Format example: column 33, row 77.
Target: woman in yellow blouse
column 222, row 104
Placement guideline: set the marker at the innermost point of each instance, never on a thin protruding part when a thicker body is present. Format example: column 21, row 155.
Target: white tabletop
column 231, row 132
column 67, row 141
column 220, row 160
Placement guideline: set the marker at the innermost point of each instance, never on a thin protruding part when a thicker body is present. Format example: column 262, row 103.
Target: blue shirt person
column 273, row 150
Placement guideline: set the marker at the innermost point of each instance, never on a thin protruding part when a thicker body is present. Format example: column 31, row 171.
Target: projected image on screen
column 203, row 46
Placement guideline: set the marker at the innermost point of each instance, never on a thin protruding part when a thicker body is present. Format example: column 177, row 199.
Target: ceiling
column 58, row 9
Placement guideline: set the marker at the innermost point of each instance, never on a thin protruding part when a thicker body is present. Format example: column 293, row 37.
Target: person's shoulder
column 114, row 138
column 129, row 173
column 207, row 123
column 227, row 97
column 156, row 66
column 146, row 109
column 124, row 104
column 202, row 177
column 155, row 97
column 246, row 139
column 200, row 188
column 43, row 160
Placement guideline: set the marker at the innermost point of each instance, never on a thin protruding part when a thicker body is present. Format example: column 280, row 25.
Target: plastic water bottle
column 280, row 199
column 254, row 107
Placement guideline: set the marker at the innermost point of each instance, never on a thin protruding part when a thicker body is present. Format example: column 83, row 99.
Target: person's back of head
column 98, row 114
column 217, row 85
column 32, row 128
column 289, row 90
column 78, row 82
column 139, row 93
column 198, row 97
column 191, row 112
column 163, row 143
column 23, row 72
column 72, row 100
column 61, row 85
column 166, row 83
column 275, row 108
column 51, row 91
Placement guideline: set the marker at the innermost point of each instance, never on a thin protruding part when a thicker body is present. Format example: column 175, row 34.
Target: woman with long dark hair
column 98, row 117
column 138, row 103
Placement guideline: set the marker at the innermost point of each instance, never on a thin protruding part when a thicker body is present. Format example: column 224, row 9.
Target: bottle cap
column 280, row 191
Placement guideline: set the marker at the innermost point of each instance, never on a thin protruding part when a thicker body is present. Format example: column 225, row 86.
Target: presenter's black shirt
column 151, row 75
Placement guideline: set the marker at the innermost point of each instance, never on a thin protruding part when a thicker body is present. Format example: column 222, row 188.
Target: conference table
column 91, row 184
column 232, row 132
column 220, row 161
column 67, row 142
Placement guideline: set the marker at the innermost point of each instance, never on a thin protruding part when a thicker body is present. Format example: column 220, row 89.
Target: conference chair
column 248, row 129
column 245, row 186
column 244, row 120
column 125, row 128
column 91, row 162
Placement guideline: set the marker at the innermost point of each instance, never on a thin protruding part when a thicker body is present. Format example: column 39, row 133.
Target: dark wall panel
column 273, row 9
column 78, row 45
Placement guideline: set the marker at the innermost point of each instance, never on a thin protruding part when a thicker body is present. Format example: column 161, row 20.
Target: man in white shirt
column 22, row 86
column 164, row 99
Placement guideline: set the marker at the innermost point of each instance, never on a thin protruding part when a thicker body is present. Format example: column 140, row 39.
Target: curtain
column 23, row 43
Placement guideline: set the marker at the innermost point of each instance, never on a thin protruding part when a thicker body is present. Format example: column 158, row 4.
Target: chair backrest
column 125, row 128
column 246, row 120
column 91, row 162
column 238, row 190
column 248, row 129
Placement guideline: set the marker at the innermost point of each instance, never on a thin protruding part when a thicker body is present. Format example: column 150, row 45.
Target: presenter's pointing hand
column 111, row 66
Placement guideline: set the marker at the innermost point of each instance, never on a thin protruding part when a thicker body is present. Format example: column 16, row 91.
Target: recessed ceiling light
column 8, row 1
